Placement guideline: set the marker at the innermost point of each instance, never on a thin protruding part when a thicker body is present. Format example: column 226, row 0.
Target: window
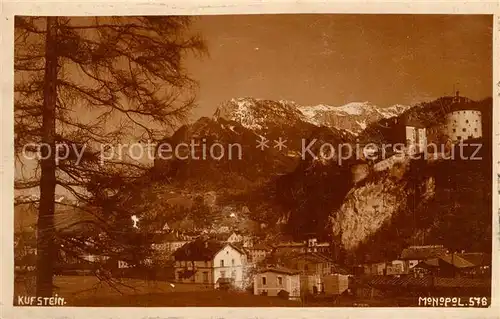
column 223, row 274
column 280, row 281
column 466, row 121
column 264, row 281
column 233, row 274
column 475, row 130
column 205, row 276
column 454, row 130
column 232, row 262
column 463, row 130
column 222, row 263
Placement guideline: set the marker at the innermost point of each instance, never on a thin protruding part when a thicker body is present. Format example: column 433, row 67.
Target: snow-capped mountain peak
column 353, row 116
column 258, row 114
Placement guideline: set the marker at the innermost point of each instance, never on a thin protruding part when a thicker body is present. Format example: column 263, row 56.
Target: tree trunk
column 46, row 252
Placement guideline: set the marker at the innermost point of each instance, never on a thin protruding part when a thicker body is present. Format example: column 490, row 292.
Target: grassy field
column 89, row 291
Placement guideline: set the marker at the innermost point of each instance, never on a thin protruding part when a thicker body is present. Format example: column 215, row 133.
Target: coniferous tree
column 81, row 83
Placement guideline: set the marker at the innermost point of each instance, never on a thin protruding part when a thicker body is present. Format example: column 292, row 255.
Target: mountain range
column 286, row 192
column 353, row 117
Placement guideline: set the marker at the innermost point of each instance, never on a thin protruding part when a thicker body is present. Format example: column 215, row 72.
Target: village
column 228, row 258
column 301, row 271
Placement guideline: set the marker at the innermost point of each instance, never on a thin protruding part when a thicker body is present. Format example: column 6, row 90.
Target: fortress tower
column 462, row 123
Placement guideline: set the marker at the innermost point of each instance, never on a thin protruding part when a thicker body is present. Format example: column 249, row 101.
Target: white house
column 209, row 262
column 271, row 281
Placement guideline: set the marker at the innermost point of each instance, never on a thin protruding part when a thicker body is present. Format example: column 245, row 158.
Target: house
column 395, row 267
column 258, row 253
column 313, row 267
column 229, row 237
column 416, row 254
column 335, row 284
column 165, row 244
column 271, row 281
column 389, row 286
column 247, row 241
column 481, row 264
column 415, row 134
column 205, row 261
column 311, row 264
column 317, row 247
column 456, row 265
column 290, row 247
column 374, row 269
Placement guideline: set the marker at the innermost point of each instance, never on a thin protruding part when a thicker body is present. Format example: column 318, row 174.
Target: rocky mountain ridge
column 259, row 114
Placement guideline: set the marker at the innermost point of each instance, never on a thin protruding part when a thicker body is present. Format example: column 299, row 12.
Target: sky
column 337, row 59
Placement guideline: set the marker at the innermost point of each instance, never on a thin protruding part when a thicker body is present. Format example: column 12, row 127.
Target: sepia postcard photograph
column 331, row 160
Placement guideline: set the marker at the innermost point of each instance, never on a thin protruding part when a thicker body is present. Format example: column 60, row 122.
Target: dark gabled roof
column 455, row 260
column 238, row 247
column 202, row 250
column 477, row 259
column 447, row 259
column 199, row 250
column 279, row 270
column 422, row 252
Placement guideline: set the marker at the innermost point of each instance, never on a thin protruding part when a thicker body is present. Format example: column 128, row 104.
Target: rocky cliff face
column 366, row 209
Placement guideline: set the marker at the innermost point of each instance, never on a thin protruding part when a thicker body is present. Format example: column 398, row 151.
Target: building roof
column 197, row 250
column 477, row 259
column 239, row 247
column 202, row 250
column 290, row 244
column 279, row 270
column 422, row 252
column 456, row 260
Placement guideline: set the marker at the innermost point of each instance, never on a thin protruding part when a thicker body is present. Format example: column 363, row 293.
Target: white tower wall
column 463, row 125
